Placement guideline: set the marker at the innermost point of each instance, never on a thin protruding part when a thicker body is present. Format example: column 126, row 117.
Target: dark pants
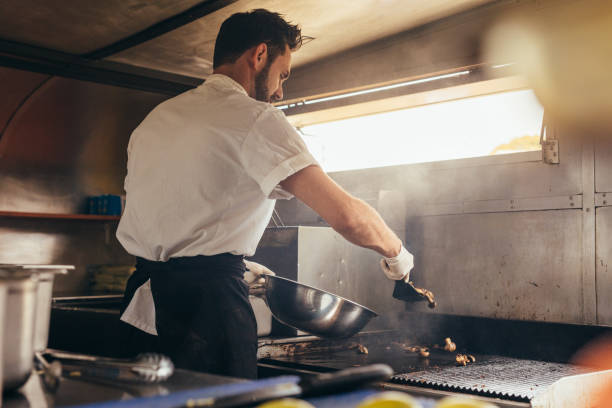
column 204, row 319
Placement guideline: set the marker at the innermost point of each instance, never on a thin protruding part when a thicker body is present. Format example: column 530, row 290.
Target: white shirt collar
column 224, row 82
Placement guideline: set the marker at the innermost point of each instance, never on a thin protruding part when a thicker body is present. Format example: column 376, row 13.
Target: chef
column 204, row 171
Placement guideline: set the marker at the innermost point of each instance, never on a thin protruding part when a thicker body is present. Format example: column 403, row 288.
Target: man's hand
column 398, row 267
column 255, row 273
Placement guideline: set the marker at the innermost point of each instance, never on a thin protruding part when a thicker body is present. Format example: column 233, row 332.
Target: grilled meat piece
column 465, row 359
column 421, row 350
column 427, row 294
column 449, row 345
column 361, row 349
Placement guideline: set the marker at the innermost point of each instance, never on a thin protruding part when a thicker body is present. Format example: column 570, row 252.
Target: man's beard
column 261, row 85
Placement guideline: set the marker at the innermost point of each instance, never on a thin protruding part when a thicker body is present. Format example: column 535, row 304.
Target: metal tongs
column 145, row 368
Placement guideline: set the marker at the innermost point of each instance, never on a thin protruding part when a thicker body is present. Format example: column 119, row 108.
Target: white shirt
column 203, row 173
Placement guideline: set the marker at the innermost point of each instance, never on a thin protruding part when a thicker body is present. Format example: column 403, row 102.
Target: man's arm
column 351, row 217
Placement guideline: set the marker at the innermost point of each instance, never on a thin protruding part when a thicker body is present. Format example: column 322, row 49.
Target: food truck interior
column 480, row 130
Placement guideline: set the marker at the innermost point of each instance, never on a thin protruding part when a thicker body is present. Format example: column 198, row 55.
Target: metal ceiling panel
column 16, row 86
column 336, row 26
column 82, row 26
column 45, row 61
column 68, row 124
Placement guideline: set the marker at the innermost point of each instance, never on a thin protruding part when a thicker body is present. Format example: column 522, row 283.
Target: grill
column 515, row 380
column 497, row 377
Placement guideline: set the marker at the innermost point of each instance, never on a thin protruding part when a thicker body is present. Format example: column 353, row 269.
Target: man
column 204, row 171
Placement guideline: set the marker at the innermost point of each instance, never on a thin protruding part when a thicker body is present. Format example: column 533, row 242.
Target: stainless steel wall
column 603, row 227
column 504, row 237
column 329, row 262
column 62, row 140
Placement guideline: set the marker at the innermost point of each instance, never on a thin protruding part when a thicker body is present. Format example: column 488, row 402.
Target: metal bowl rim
column 36, row 267
column 30, row 271
column 268, row 277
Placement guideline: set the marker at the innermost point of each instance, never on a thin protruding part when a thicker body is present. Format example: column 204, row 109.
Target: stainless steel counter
column 75, row 392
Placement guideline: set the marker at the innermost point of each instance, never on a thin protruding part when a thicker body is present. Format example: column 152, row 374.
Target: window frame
column 474, row 89
column 471, row 90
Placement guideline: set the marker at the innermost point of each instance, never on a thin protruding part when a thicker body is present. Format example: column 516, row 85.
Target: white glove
column 255, row 273
column 398, row 267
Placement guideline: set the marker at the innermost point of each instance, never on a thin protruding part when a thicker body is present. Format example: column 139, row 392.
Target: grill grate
column 497, row 377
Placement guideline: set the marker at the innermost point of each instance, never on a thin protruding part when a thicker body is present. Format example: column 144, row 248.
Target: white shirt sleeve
column 272, row 151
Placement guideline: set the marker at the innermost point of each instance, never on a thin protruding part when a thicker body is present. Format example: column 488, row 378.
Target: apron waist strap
column 220, row 265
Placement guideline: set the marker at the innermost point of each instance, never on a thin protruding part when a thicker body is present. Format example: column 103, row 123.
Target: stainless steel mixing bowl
column 314, row 310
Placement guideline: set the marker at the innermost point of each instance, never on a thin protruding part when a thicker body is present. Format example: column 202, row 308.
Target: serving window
column 499, row 123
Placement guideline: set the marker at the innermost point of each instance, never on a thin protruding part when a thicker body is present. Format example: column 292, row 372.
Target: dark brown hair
column 241, row 31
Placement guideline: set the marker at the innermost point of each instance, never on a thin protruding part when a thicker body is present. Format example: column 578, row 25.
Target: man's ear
column 260, row 56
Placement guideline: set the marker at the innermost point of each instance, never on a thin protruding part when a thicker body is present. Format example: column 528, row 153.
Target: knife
column 309, row 387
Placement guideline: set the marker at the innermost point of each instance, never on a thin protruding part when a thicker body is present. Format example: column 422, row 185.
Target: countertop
column 75, row 392
column 181, row 387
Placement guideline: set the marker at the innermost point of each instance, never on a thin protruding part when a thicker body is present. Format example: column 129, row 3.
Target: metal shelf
column 83, row 217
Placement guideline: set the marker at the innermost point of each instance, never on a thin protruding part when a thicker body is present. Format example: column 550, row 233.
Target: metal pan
column 314, row 310
column 26, row 324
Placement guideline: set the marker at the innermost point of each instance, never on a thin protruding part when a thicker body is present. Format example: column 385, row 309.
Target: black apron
column 203, row 316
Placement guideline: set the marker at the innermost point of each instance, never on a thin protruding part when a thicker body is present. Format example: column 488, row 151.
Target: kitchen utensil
column 18, row 333
column 21, row 309
column 204, row 395
column 51, row 372
column 313, row 310
column 344, row 380
column 144, row 368
column 220, row 395
column 407, row 292
column 44, row 294
column 309, row 387
column 3, row 294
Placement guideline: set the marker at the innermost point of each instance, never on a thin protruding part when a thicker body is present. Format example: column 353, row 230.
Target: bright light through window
column 479, row 126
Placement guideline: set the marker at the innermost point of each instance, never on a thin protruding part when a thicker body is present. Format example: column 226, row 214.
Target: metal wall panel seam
column 589, row 284
column 564, row 202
